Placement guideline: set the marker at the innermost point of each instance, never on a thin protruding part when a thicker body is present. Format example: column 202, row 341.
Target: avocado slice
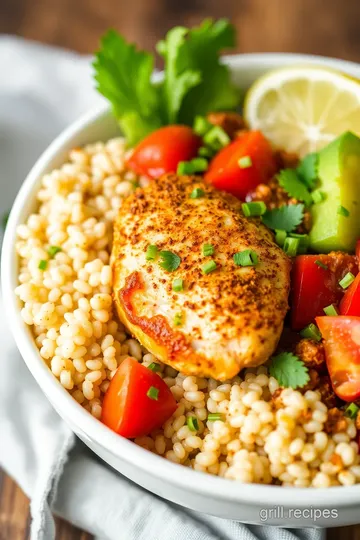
column 339, row 179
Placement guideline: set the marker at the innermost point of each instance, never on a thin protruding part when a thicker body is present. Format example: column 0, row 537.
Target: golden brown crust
column 233, row 317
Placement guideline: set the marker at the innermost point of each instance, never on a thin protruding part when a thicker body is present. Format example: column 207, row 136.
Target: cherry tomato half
column 161, row 151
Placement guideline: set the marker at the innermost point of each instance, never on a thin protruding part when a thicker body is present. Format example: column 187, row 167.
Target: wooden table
column 327, row 27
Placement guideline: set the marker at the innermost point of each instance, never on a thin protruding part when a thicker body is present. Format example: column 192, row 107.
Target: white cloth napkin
column 42, row 90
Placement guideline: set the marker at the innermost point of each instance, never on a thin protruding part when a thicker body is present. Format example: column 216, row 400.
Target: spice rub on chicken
column 195, row 308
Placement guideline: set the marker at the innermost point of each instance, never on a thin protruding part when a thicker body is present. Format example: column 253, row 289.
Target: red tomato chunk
column 226, row 173
column 342, row 350
column 315, row 287
column 128, row 407
column 161, row 151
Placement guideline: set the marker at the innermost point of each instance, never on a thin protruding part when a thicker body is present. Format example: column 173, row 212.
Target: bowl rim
column 184, row 477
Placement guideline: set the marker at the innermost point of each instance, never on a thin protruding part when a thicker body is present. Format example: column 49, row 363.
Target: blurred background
column 325, row 27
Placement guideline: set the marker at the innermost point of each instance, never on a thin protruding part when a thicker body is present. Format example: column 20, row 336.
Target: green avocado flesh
column 339, row 179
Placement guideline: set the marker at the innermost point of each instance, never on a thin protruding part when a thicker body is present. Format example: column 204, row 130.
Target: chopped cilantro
column 289, row 370
column 285, row 218
column 308, row 170
column 170, row 261
column 290, row 181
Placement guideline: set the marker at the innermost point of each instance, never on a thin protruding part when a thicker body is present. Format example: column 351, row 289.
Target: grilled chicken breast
column 222, row 321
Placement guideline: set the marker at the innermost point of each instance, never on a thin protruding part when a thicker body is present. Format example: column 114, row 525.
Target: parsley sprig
column 289, row 370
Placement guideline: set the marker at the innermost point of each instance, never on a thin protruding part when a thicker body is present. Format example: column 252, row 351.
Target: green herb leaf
column 352, row 410
column 212, row 417
column 180, row 75
column 170, row 261
column 248, row 257
column 198, row 53
column 331, row 311
column 209, row 267
column 308, row 170
column 321, row 264
column 43, row 264
column 286, row 218
column 311, row 332
column 289, row 370
column 290, row 181
column 123, row 76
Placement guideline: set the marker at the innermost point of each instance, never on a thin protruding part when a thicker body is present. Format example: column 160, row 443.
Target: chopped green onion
column 347, row 280
column 208, row 267
column 280, row 237
column 257, row 208
column 178, row 285
column 151, row 252
column 321, row 265
column 192, row 423
column 205, row 152
column 245, row 162
column 318, row 196
column 53, row 250
column 291, row 246
column 248, row 257
column 154, row 367
column 208, row 249
column 343, row 211
column 312, row 332
column 42, row 264
column 201, row 125
column 304, row 241
column 352, row 410
column 178, row 319
column 216, row 138
column 212, row 417
column 153, row 393
column 185, row 167
column 331, row 311
column 199, row 164
column 197, row 193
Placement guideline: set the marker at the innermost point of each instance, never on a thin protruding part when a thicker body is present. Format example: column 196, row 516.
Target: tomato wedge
column 315, row 285
column 127, row 407
column 161, row 151
column 342, row 350
column 226, row 173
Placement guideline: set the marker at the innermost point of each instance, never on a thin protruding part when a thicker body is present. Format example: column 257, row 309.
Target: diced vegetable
column 226, row 174
column 350, row 304
column 336, row 224
column 137, row 401
column 314, row 287
column 342, row 350
column 163, row 150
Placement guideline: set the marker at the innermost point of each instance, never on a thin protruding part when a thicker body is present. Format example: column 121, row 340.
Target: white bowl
column 202, row 492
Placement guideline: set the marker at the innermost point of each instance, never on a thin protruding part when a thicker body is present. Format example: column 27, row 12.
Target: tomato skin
column 341, row 337
column 161, row 151
column 126, row 407
column 350, row 303
column 313, row 288
column 225, row 173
